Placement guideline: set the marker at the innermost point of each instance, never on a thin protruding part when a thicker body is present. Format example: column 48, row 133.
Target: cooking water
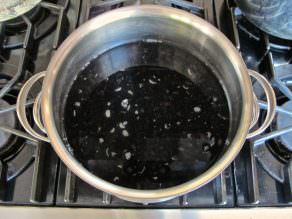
column 147, row 127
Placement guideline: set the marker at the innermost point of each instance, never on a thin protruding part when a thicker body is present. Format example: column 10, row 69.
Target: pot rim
column 146, row 196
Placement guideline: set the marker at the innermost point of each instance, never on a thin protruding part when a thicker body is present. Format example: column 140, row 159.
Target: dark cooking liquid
column 148, row 127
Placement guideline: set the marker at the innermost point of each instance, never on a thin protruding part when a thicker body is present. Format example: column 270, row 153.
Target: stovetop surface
column 32, row 174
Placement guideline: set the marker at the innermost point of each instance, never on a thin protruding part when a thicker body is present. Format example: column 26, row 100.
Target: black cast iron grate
column 263, row 175
column 31, row 178
column 28, row 175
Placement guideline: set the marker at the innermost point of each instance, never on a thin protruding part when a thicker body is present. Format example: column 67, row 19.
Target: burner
column 283, row 122
column 273, row 149
column 6, row 119
column 24, row 159
column 269, row 148
column 280, row 146
column 9, row 144
column 253, row 32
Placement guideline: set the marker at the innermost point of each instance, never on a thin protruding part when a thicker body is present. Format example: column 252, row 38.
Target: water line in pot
column 146, row 127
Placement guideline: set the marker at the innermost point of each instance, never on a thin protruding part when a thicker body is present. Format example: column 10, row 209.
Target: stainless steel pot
column 147, row 23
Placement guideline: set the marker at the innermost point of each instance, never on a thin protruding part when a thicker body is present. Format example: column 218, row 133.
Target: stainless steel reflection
column 21, row 109
column 37, row 113
column 271, row 105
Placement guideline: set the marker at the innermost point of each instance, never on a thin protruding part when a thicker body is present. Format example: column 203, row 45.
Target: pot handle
column 20, row 107
column 271, row 102
column 22, row 97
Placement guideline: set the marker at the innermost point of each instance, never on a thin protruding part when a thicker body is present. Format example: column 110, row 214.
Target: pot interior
column 147, row 102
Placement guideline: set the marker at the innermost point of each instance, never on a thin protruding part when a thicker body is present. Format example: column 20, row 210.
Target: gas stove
column 31, row 173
